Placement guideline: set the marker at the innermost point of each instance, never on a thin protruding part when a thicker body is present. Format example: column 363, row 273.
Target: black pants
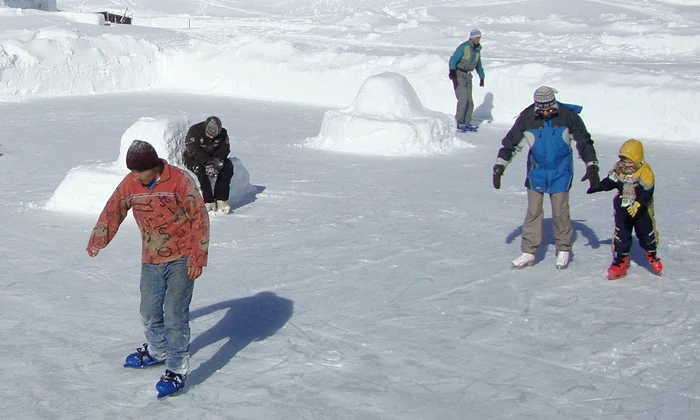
column 644, row 227
column 222, row 186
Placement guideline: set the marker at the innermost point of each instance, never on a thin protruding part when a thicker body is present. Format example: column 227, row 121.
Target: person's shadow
column 484, row 112
column 246, row 320
column 548, row 236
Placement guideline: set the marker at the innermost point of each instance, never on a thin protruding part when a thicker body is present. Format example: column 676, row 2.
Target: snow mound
column 86, row 188
column 166, row 135
column 386, row 118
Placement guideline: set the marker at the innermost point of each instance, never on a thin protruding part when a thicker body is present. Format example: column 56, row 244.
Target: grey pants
column 561, row 221
column 465, row 103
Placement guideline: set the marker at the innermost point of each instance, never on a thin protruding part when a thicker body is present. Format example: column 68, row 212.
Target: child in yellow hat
column 633, row 208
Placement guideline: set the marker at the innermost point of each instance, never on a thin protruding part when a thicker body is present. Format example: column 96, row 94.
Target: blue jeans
column 166, row 293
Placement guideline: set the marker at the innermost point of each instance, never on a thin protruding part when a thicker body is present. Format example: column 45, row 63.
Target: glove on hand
column 481, row 82
column 633, row 208
column 453, row 77
column 218, row 164
column 592, row 177
column 211, row 171
column 498, row 171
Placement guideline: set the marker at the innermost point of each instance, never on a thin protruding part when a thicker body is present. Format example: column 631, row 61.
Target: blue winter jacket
column 550, row 158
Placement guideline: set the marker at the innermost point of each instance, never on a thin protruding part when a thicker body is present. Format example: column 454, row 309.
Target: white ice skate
column 524, row 260
column 223, row 206
column 562, row 260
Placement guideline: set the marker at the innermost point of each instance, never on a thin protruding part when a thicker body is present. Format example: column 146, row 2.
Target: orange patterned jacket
column 171, row 217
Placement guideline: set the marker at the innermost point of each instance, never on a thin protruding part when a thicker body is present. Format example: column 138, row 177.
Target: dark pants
column 644, row 227
column 222, row 186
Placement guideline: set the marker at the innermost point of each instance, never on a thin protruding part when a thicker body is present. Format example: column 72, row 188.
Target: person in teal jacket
column 465, row 60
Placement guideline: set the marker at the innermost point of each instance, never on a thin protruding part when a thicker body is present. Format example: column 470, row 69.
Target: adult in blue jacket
column 548, row 127
column 465, row 59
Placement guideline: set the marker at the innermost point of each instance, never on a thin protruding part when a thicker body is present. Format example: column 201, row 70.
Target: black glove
column 592, row 177
column 453, row 74
column 481, row 82
column 498, row 170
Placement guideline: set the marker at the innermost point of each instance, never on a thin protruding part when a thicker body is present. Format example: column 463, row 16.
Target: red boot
column 618, row 268
column 654, row 262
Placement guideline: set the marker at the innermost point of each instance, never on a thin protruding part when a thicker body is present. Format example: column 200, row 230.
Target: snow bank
column 386, row 118
column 65, row 60
column 60, row 60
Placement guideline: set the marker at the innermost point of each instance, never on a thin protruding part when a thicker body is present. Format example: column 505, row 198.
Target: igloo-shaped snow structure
column 386, row 118
column 86, row 188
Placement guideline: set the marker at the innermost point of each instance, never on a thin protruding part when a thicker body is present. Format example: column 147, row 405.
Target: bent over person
column 548, row 127
column 174, row 229
column 206, row 155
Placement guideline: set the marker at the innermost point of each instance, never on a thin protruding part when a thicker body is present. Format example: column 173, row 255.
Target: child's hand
column 633, row 208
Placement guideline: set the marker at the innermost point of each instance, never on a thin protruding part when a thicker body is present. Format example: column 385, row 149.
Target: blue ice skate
column 141, row 358
column 463, row 128
column 170, row 383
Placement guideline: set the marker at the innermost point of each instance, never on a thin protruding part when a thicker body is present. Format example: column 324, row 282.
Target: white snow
column 364, row 273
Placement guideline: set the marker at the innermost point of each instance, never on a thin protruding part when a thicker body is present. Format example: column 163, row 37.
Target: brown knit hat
column 141, row 156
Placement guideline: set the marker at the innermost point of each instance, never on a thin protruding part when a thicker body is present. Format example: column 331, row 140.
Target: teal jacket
column 467, row 57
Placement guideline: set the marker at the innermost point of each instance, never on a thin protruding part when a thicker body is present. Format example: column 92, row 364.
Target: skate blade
column 168, row 393
column 162, row 395
column 144, row 365
column 521, row 267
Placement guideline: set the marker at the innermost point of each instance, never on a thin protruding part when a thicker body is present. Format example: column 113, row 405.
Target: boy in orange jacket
column 633, row 208
column 174, row 225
